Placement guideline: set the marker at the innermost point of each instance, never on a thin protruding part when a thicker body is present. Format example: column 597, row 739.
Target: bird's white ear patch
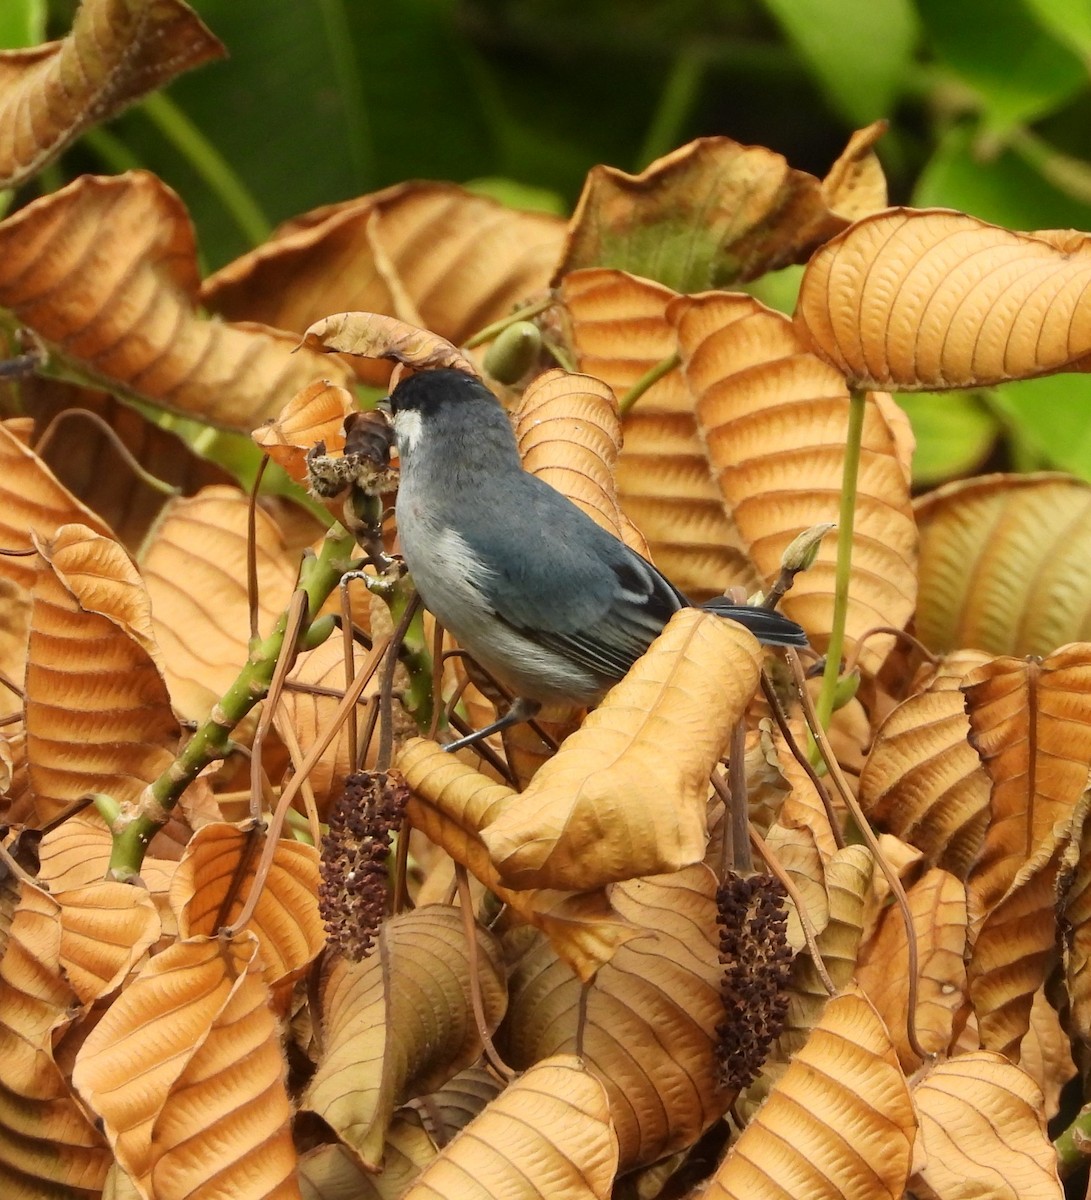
column 407, row 429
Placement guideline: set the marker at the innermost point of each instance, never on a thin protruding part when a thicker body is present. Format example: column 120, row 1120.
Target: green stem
column 676, row 102
column 111, row 151
column 354, row 126
column 209, row 164
column 136, row 824
column 497, row 327
column 845, row 522
column 647, row 380
column 1073, row 1147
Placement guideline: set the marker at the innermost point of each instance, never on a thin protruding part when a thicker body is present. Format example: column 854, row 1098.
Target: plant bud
column 513, row 352
column 802, row 550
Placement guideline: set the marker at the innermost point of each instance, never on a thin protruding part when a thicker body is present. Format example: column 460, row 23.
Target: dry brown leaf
column 373, row 335
column 76, row 854
column 400, row 1023
column 87, row 461
column 106, row 928
column 569, row 434
column 104, row 271
column 930, row 298
column 1076, row 934
column 194, row 565
column 923, row 781
column 1045, row 1053
column 431, row 254
column 847, row 881
column 982, row 1132
column 117, row 52
column 1015, row 946
column 214, row 879
column 660, row 992
column 452, row 1107
column 619, row 332
column 314, row 414
column 855, row 185
column 98, row 716
column 774, row 419
column 595, row 813
column 33, row 501
column 839, row 1123
column 553, row 1120
column 937, row 904
column 47, row 1144
column 450, row 803
column 187, row 1074
column 1004, row 564
column 330, row 1173
column 1030, row 721
column 708, row 214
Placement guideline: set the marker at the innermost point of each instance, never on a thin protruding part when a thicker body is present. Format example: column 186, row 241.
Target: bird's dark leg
column 521, row 710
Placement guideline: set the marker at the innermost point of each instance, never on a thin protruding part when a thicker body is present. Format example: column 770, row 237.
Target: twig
column 465, row 902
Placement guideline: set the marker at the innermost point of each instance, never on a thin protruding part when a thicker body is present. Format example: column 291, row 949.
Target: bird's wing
column 579, row 591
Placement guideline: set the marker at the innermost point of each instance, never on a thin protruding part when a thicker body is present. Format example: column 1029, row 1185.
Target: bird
column 555, row 607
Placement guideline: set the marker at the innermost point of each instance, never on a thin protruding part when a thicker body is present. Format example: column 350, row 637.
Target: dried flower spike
column 757, row 962
column 352, row 896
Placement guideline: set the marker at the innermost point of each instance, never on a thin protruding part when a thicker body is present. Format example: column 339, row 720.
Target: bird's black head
column 430, row 392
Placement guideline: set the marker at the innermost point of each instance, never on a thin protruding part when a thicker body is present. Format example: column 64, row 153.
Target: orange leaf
column 372, row 335
column 106, row 928
column 105, row 272
column 97, row 712
column 314, row 414
column 774, row 419
column 929, row 299
column 117, row 52
column 619, row 333
column 187, row 1074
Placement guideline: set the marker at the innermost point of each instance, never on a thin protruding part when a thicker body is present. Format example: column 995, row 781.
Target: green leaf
column 1018, row 69
column 954, row 430
column 1053, row 415
column 859, row 50
column 1005, row 189
column 22, row 23
column 1068, row 20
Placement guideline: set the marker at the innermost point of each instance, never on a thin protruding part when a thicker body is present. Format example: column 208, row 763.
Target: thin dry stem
column 845, row 792
column 252, row 587
column 811, row 938
column 469, row 923
column 901, row 634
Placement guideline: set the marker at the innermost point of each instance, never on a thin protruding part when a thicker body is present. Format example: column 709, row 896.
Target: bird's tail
column 770, row 628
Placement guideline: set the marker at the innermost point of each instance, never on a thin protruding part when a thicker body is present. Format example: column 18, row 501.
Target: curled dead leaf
column 116, row 52
column 598, row 811
column 373, row 335
column 314, row 414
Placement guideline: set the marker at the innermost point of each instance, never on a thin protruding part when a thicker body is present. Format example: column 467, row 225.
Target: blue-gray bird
column 552, row 605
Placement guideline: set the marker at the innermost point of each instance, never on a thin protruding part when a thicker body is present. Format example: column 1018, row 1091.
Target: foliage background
column 989, row 103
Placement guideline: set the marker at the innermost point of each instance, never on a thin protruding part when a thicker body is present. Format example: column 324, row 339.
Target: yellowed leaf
column 106, row 928
column 329, row 1172
column 569, row 433
column 594, row 813
column 365, row 255
column 399, row 1023
column 104, row 271
column 98, row 717
column 1045, row 1053
column 929, row 298
column 553, row 1119
column 923, row 781
column 708, row 214
column 1030, row 721
column 47, row 1144
column 76, row 854
column 187, row 1074
column 194, row 566
column 660, row 992
column 839, row 1123
column 774, row 419
column 373, row 335
column 982, row 1132
column 116, row 52
column 937, row 906
column 314, row 414
column 214, row 879
column 450, row 803
column 619, row 332
column 1004, row 564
